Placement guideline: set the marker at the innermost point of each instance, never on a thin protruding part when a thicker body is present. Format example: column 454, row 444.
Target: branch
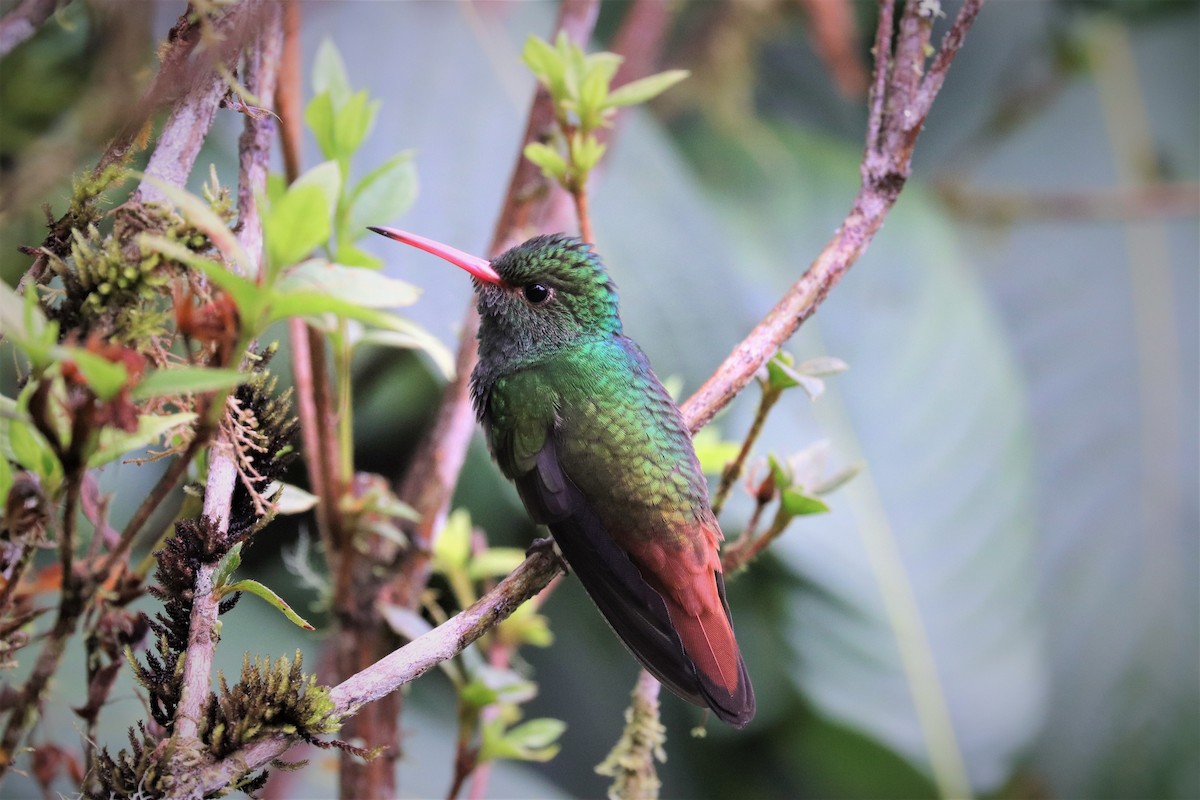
column 402, row 666
column 27, row 705
column 185, row 66
column 900, row 101
column 1119, row 203
column 262, row 63
column 23, row 22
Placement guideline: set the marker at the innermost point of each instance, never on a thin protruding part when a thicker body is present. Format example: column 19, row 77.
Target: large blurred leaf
column 1103, row 317
column 924, row 633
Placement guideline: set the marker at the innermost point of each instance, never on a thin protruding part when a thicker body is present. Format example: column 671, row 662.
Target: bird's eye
column 536, row 293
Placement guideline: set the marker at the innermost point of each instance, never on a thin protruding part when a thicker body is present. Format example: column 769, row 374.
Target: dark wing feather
column 634, row 609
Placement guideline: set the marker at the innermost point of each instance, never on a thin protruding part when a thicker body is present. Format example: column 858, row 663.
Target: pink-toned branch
column 262, row 60
column 900, row 101
column 23, row 22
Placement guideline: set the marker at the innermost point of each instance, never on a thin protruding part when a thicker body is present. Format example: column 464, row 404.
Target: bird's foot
column 546, row 545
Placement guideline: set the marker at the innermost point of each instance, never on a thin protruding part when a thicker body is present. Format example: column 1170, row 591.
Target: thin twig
column 27, row 706
column 202, row 638
column 314, row 399
column 733, row 470
column 183, row 67
column 887, row 163
column 1152, row 201
column 23, row 22
column 181, row 139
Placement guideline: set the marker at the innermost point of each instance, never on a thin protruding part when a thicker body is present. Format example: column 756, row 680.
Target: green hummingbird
column 599, row 453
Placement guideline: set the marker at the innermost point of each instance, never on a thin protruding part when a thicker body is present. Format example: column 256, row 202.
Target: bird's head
column 536, row 297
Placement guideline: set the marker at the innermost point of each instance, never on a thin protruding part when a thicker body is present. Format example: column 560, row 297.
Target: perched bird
column 599, row 453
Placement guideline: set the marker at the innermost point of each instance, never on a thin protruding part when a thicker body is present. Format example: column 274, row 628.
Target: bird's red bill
column 479, row 267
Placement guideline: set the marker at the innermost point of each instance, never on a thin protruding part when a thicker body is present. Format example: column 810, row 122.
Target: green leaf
column 526, row 626
column 530, row 741
column 383, row 194
column 348, row 255
column 551, row 162
column 537, row 733
column 452, row 546
column 247, row 295
column 495, row 562
column 6, row 475
column 315, row 304
column 20, row 317
column 186, row 380
column 363, row 287
column 475, row 693
column 798, row 504
column 543, row 60
column 780, row 372
column 409, row 335
column 319, row 116
column 545, row 63
column 105, row 378
column 329, row 74
column 328, row 176
column 276, row 188
column 229, row 565
column 588, row 152
column 574, row 66
column 781, row 471
column 199, row 213
column 21, row 442
column 151, row 428
column 593, row 91
column 644, row 89
column 352, row 122
column 292, row 499
column 259, row 590
column 295, row 226
column 22, row 322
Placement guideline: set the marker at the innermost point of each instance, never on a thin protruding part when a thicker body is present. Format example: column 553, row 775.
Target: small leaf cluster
column 77, row 407
column 341, row 119
column 584, row 102
column 797, row 483
column 784, row 373
column 468, row 566
column 801, row 480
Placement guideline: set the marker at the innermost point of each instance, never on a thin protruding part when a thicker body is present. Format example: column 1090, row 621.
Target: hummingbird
column 600, row 454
